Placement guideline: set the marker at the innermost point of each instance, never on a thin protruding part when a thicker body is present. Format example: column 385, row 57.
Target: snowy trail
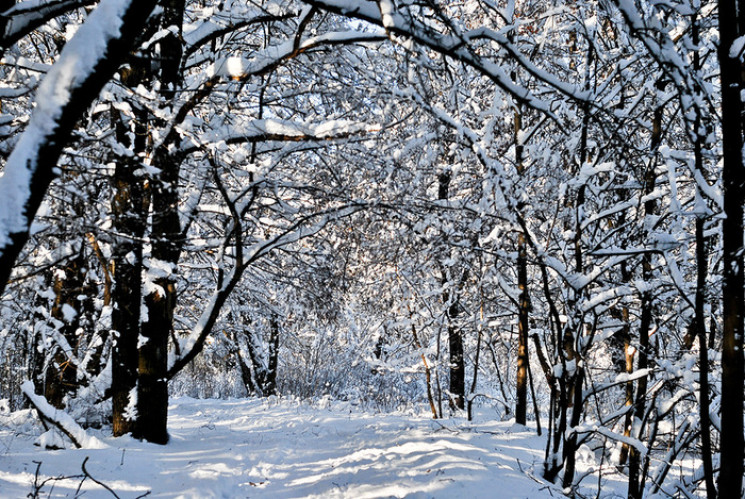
column 256, row 448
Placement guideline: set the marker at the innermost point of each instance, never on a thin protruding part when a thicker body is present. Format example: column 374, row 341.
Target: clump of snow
column 52, row 440
column 62, row 418
column 69, row 313
column 130, row 412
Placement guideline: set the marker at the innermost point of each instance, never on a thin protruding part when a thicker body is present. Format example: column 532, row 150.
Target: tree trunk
column 455, row 335
column 270, row 387
column 474, row 380
column 160, row 301
column 457, row 361
column 521, row 403
column 166, row 240
column 523, row 355
column 570, row 446
column 623, row 358
column 731, row 21
column 129, row 208
column 62, row 375
column 636, row 487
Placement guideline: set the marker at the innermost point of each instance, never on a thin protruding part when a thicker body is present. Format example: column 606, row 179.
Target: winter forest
column 477, row 213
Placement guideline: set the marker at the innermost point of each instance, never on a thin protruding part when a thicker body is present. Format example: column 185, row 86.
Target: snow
column 737, row 47
column 294, row 129
column 277, row 448
column 69, row 313
column 387, row 12
column 130, row 412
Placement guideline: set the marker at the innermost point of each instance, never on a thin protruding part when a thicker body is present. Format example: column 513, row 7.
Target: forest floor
column 280, row 449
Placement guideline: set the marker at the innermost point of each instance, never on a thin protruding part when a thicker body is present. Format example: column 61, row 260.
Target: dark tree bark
column 60, row 377
column 258, row 370
column 166, row 243
column 129, row 207
column 457, row 368
column 166, row 247
column 570, row 446
column 270, row 388
column 457, row 361
column 635, row 486
column 521, row 404
column 523, row 305
column 732, row 26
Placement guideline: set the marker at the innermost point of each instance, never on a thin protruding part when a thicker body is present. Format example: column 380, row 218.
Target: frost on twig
column 60, row 420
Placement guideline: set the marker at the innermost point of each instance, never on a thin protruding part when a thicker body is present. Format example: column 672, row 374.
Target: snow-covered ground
column 278, row 448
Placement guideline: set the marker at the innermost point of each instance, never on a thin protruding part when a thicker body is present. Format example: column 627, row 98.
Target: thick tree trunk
column 160, row 301
column 152, row 384
column 731, row 21
column 129, row 223
column 166, row 240
column 129, row 207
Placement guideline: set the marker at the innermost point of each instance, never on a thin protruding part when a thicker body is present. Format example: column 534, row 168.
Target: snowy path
column 254, row 448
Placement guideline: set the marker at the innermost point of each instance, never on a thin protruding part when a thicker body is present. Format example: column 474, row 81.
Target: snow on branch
column 602, row 430
column 61, row 420
column 267, row 59
column 198, row 37
column 240, row 69
column 292, row 131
